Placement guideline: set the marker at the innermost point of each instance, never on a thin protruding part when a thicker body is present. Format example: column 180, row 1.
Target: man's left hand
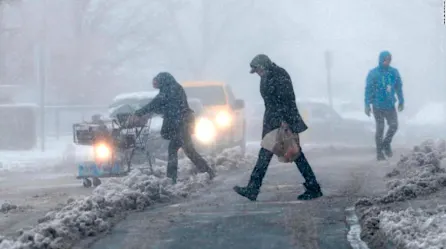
column 400, row 107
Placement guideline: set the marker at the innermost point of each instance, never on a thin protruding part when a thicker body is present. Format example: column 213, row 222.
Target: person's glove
column 367, row 110
column 400, row 107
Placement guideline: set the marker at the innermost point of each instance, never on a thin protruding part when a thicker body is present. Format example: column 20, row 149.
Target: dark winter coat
column 171, row 103
column 277, row 92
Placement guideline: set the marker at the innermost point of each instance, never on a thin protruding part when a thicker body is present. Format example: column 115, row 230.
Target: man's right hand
column 367, row 110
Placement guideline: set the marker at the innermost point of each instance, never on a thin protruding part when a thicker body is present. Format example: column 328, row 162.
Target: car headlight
column 223, row 119
column 205, row 130
column 102, row 151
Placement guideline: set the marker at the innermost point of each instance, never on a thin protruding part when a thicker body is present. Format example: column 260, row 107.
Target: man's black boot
column 388, row 150
column 312, row 191
column 247, row 192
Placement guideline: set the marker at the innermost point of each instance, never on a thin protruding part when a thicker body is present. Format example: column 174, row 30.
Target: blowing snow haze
column 86, row 139
column 99, row 48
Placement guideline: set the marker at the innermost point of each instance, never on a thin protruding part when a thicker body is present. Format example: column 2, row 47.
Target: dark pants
column 186, row 143
column 391, row 118
column 262, row 164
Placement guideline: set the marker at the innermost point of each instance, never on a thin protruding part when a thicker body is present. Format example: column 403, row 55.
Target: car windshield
column 320, row 111
column 208, row 95
column 195, row 105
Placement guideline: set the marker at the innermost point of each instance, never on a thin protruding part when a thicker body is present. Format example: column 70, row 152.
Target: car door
column 341, row 130
column 238, row 127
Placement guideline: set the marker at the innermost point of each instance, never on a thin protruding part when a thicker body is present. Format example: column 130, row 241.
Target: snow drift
column 417, row 174
column 92, row 215
column 416, row 228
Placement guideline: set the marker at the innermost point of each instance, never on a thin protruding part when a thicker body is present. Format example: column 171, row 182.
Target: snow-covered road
column 218, row 218
column 213, row 217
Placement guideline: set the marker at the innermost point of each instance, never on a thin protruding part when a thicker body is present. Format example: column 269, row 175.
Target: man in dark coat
column 277, row 92
column 178, row 120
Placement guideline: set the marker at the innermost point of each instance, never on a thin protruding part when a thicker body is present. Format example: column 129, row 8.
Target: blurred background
column 72, row 57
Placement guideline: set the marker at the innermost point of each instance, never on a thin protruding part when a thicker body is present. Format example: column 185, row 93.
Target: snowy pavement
column 78, row 215
column 218, row 218
column 57, row 152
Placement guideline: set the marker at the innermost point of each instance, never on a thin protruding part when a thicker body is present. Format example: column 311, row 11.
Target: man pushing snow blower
column 178, row 120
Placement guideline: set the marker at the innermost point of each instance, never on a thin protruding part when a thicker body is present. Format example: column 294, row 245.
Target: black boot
column 247, row 192
column 312, row 191
column 380, row 155
column 388, row 150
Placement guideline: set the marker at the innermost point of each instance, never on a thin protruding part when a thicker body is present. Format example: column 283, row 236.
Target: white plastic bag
column 283, row 143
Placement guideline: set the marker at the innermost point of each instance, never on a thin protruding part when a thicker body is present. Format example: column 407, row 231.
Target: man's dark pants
column 185, row 142
column 391, row 117
column 262, row 164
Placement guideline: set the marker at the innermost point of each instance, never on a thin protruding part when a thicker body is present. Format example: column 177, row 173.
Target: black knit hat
column 260, row 61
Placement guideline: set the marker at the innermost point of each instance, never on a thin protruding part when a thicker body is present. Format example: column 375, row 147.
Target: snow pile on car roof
column 136, row 95
column 94, row 214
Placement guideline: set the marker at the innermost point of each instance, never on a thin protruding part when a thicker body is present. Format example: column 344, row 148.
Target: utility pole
column 328, row 66
column 40, row 56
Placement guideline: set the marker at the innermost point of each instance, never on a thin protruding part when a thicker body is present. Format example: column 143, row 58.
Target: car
column 254, row 120
column 222, row 124
column 327, row 125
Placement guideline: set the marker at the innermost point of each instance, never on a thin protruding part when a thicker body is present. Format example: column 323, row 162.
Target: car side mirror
column 239, row 104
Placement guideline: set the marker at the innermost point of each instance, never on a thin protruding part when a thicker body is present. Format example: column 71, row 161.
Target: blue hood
column 382, row 57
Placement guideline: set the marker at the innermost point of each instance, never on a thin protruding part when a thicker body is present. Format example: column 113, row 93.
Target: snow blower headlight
column 102, row 151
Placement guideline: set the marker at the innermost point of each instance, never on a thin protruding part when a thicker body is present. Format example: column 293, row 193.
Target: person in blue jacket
column 383, row 83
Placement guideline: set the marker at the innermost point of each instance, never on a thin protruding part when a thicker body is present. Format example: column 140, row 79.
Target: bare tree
column 103, row 40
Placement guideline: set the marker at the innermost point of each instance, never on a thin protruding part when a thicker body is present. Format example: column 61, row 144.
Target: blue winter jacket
column 382, row 85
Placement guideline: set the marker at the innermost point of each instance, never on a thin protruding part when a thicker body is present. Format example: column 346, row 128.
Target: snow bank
column 93, row 214
column 415, row 229
column 7, row 207
column 417, row 174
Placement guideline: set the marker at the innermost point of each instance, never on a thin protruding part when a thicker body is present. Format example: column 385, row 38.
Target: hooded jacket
column 277, row 92
column 171, row 103
column 382, row 84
